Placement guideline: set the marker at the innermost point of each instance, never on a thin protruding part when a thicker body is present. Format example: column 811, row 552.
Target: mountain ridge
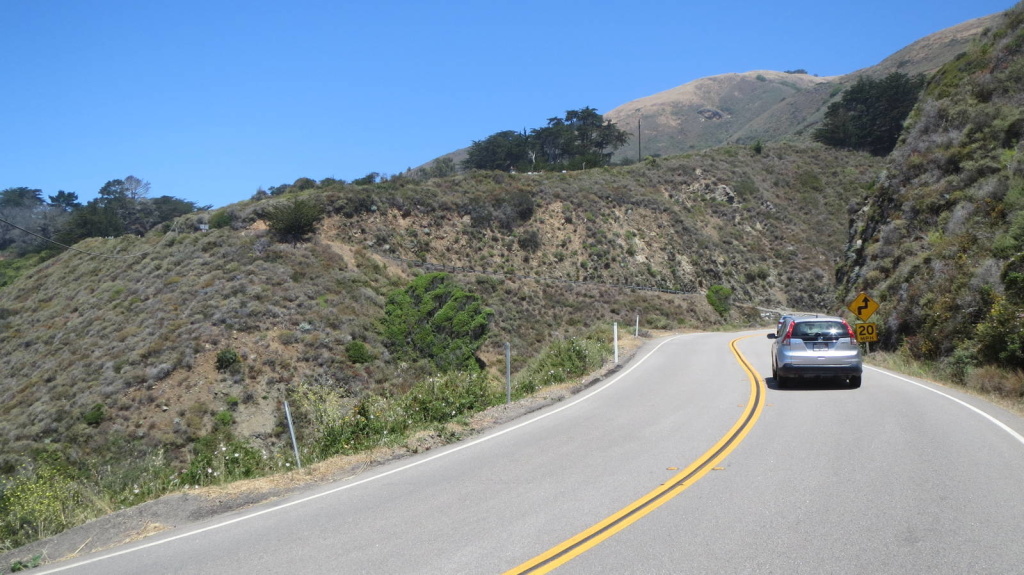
column 786, row 106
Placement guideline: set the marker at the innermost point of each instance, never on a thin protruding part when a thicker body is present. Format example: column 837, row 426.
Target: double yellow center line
column 567, row 550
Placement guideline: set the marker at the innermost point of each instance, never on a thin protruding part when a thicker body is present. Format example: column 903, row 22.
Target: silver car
column 815, row 347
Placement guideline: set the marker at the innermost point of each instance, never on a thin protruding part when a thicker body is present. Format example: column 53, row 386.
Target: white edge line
column 455, row 449
column 1001, row 425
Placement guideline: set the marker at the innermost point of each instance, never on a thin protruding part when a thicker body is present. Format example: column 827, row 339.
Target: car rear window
column 819, row 330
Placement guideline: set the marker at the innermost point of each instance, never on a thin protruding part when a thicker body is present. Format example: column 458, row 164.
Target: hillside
column 110, row 359
column 765, row 105
column 939, row 244
column 717, row 110
column 119, row 329
column 760, row 105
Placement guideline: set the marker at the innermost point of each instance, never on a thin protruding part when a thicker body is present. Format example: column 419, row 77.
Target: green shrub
column 224, row 418
column 530, row 241
column 1001, row 336
column 294, row 220
column 357, row 352
column 318, row 406
column 38, row 504
column 1013, row 279
column 562, row 360
column 334, row 424
column 441, row 398
column 95, row 415
column 657, row 321
column 25, row 564
column 1005, row 246
column 719, row 297
column 435, row 319
column 376, row 421
column 142, row 478
column 220, row 458
column 227, row 359
column 759, row 273
column 12, row 269
column 960, row 364
column 221, row 219
column 809, row 180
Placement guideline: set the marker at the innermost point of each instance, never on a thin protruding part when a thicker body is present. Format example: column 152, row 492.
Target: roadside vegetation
column 166, row 364
column 939, row 245
column 1001, row 386
column 51, row 493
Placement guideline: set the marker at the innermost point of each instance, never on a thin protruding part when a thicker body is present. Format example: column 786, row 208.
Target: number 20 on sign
column 866, row 332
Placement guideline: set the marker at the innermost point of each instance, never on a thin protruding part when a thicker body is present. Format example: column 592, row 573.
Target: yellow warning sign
column 863, row 306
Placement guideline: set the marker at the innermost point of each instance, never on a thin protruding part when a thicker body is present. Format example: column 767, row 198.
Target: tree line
column 29, row 223
column 870, row 115
column 581, row 139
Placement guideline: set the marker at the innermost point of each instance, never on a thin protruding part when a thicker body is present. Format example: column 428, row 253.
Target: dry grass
column 999, row 386
column 140, row 336
column 347, row 466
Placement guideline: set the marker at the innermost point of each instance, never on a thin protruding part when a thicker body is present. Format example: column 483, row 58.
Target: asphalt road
column 683, row 462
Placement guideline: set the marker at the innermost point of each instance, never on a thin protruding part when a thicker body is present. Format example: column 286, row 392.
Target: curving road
column 685, row 461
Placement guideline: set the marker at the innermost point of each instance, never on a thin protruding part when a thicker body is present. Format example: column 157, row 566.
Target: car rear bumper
column 792, row 370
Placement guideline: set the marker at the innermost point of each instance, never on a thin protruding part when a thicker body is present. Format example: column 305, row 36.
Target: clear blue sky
column 210, row 100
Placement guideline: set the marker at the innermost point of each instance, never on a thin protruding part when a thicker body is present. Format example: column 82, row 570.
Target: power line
column 135, row 255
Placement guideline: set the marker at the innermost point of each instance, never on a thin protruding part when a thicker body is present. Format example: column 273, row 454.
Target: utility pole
column 639, row 153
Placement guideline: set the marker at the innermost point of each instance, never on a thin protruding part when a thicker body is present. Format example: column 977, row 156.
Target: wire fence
column 464, row 270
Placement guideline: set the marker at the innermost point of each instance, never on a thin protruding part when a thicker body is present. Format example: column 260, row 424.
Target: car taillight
column 849, row 330
column 789, row 334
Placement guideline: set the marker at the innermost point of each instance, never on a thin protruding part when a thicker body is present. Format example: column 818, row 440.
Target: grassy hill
column 716, row 110
column 113, row 351
column 765, row 105
column 760, row 105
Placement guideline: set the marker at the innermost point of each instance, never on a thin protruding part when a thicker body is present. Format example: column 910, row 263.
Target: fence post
column 615, row 337
column 508, row 372
column 291, row 430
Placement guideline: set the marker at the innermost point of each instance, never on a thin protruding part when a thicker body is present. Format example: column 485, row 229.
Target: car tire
column 781, row 382
column 854, row 382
